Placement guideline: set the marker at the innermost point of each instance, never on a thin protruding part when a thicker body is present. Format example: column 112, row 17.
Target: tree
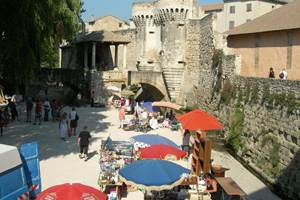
column 30, row 34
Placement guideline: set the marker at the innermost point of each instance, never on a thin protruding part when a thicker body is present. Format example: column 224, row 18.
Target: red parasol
column 199, row 120
column 71, row 192
column 160, row 151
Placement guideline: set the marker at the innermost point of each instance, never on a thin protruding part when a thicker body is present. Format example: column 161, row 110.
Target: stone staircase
column 173, row 78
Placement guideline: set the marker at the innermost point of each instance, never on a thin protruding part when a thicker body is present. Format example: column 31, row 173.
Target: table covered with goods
column 113, row 156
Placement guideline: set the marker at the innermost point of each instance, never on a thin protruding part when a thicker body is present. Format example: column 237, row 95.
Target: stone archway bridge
column 151, row 78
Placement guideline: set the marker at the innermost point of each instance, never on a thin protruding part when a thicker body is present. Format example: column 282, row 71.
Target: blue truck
column 20, row 177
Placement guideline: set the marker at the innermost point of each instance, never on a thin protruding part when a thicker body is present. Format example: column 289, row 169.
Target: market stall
column 114, row 155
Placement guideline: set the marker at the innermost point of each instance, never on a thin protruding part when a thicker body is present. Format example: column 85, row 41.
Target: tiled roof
column 101, row 36
column 212, row 7
column 283, row 18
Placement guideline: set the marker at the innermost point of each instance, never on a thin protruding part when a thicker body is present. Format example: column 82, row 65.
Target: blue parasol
column 149, row 107
column 151, row 139
column 153, row 174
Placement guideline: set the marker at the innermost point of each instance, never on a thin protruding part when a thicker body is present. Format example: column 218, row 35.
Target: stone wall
column 198, row 56
column 269, row 136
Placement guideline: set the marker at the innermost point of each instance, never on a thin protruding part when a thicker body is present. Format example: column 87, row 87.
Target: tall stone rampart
column 198, row 57
column 148, row 36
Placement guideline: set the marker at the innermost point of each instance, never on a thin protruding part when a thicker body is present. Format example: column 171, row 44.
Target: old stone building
column 237, row 12
column 165, row 39
column 272, row 40
column 173, row 52
column 108, row 23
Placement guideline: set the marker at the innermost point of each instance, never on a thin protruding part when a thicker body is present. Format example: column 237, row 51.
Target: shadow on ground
column 47, row 134
column 287, row 185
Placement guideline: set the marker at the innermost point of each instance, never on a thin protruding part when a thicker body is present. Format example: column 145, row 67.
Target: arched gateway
column 152, row 83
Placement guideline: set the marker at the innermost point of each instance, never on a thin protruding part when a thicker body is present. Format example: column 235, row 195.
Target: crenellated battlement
column 143, row 14
column 162, row 11
column 171, row 14
column 143, row 20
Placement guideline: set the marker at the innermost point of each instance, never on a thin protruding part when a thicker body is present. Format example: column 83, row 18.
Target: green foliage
column 270, row 164
column 247, row 93
column 227, row 93
column 279, row 99
column 240, row 97
column 189, row 108
column 266, row 94
column 134, row 88
column 217, row 71
column 236, row 126
column 291, row 102
column 254, row 94
column 30, row 34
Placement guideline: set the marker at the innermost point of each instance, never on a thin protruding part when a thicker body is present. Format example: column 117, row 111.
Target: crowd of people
column 143, row 120
column 37, row 111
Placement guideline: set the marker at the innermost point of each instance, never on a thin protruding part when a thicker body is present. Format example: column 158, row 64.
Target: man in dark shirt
column 83, row 142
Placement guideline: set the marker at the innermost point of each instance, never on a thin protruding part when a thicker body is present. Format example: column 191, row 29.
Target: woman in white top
column 63, row 126
column 47, row 108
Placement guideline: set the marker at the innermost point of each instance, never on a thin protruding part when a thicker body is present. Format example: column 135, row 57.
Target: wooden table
column 231, row 188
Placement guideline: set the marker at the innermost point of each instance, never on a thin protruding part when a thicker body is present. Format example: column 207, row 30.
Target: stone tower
column 148, row 36
column 161, row 28
column 172, row 17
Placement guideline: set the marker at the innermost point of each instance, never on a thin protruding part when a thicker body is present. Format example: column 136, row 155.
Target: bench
column 230, row 189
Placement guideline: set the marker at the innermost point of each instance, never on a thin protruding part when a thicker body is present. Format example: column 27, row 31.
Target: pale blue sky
column 119, row 8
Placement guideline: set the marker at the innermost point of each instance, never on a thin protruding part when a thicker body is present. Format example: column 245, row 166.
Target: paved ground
column 60, row 163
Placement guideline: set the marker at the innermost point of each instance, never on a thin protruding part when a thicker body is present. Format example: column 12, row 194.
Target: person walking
column 13, row 110
column 271, row 73
column 73, row 121
column 283, row 74
column 83, row 142
column 38, row 111
column 122, row 116
column 47, row 108
column 29, row 106
column 63, row 126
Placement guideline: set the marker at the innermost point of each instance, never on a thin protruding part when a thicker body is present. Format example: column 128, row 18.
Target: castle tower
column 172, row 17
column 148, row 36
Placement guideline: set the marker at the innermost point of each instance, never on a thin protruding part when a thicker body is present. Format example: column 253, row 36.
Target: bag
column 76, row 117
column 69, row 132
column 281, row 75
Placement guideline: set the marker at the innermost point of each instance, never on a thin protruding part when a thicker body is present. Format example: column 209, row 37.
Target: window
column 248, row 20
column 120, row 25
column 249, row 7
column 231, row 25
column 232, row 9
